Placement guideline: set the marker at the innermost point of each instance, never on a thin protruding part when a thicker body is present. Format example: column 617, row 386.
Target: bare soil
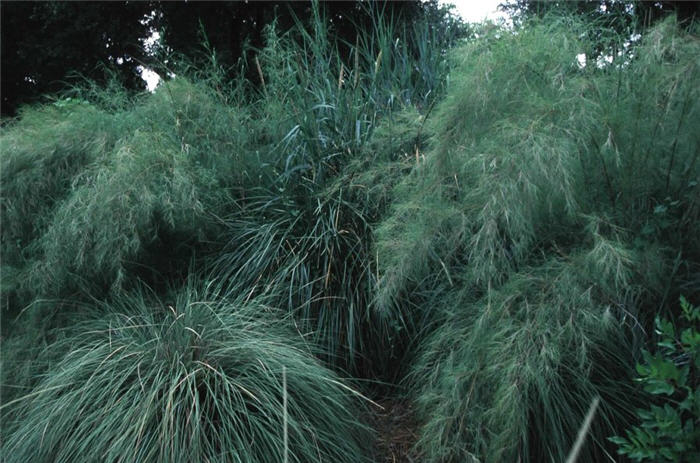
column 397, row 430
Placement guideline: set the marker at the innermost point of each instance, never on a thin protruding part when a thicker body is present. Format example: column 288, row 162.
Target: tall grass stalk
column 585, row 426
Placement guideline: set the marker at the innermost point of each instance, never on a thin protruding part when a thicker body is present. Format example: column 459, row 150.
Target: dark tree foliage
column 45, row 44
column 234, row 29
column 638, row 14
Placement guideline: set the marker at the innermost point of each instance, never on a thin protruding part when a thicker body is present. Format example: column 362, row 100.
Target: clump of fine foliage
column 274, row 184
column 668, row 429
column 518, row 226
column 345, row 131
column 190, row 380
column 95, row 198
column 555, row 214
column 40, row 160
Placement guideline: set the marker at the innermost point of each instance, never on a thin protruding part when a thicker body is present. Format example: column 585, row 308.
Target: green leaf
column 660, row 209
column 618, row 440
column 665, row 328
column 690, row 338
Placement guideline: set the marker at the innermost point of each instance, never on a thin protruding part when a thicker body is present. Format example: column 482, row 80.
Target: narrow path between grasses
column 397, row 430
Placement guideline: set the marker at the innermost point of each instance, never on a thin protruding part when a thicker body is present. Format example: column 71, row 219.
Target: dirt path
column 397, row 430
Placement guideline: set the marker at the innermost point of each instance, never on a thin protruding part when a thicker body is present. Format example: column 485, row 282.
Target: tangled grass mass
column 227, row 270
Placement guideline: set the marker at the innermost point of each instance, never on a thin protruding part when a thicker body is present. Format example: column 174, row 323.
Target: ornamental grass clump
column 42, row 155
column 556, row 213
column 528, row 360
column 101, row 190
column 343, row 141
column 186, row 381
column 312, row 251
column 94, row 199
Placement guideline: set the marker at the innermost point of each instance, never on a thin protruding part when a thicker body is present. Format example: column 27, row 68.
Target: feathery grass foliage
column 530, row 150
column 41, row 157
column 94, row 199
column 530, row 358
column 534, row 160
column 189, row 381
column 313, row 250
column 101, row 190
column 522, row 234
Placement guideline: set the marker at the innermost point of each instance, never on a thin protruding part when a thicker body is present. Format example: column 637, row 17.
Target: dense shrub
column 668, row 429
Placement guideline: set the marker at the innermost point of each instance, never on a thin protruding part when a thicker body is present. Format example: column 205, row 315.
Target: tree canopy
column 45, row 45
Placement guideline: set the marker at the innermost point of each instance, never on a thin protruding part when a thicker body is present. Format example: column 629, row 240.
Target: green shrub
column 669, row 429
column 189, row 380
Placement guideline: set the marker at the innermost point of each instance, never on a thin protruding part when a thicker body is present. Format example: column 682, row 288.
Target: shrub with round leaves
column 187, row 382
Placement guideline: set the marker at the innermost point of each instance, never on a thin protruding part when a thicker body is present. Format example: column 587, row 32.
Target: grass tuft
column 305, row 233
column 190, row 380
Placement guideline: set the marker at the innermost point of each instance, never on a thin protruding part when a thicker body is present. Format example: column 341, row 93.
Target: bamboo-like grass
column 556, row 214
column 186, row 380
